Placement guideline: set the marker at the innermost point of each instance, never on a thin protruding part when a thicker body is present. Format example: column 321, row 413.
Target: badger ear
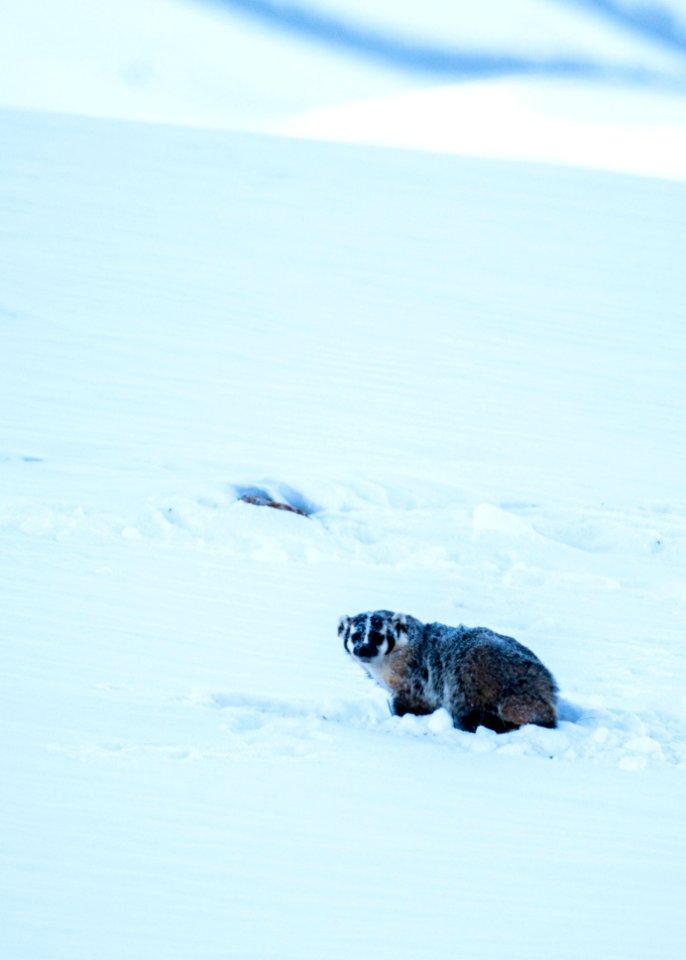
column 342, row 625
column 399, row 623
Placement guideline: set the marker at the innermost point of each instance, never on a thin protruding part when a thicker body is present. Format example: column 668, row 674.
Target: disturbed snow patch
column 375, row 523
column 631, row 741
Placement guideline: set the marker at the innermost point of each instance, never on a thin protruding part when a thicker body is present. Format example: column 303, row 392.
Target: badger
column 480, row 677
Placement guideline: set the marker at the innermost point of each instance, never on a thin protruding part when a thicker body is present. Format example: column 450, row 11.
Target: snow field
column 471, row 378
column 481, row 559
column 174, row 785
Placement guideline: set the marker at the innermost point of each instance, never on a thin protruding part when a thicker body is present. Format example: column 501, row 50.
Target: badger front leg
column 404, row 701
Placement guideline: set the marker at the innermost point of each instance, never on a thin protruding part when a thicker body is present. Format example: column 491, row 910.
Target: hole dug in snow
column 260, row 498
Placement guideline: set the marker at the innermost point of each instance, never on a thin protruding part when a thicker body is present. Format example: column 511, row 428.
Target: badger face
column 369, row 637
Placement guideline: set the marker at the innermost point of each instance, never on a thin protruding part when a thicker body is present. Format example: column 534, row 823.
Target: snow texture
column 469, row 376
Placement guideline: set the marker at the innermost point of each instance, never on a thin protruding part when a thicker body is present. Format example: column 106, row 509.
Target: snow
column 614, row 127
column 469, row 375
column 209, row 64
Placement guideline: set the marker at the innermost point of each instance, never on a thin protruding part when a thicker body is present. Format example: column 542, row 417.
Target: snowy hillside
column 470, row 376
column 573, row 123
column 208, row 63
column 520, row 81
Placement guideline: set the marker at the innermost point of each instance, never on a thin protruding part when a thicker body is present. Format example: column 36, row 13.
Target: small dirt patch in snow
column 266, row 502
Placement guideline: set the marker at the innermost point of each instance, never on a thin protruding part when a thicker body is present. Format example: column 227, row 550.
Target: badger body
column 480, row 677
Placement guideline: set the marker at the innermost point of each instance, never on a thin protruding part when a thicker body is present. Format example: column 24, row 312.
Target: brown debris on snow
column 266, row 502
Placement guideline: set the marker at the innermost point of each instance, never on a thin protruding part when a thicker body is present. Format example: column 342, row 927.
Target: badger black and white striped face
column 372, row 636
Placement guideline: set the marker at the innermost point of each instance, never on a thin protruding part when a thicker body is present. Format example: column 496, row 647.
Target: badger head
column 369, row 637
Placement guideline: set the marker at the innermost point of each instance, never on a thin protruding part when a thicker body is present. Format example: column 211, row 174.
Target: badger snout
column 365, row 651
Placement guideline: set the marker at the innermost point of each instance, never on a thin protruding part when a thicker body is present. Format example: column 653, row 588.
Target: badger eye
column 357, row 637
column 376, row 638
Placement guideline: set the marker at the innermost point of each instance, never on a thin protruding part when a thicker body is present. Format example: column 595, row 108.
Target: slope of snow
column 195, row 63
column 610, row 127
column 470, row 375
column 170, row 61
column 198, row 63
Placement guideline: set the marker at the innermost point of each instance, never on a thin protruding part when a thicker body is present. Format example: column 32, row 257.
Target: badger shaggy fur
column 478, row 676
